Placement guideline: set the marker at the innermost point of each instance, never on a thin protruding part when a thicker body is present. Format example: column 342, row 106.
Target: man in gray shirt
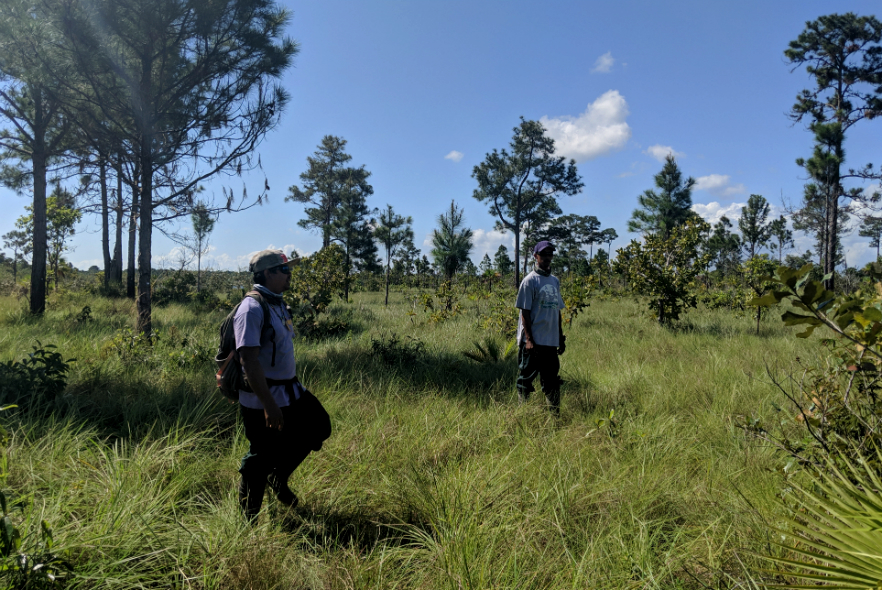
column 540, row 331
column 265, row 345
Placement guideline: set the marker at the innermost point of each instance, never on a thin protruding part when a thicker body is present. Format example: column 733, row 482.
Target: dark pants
column 541, row 361
column 271, row 452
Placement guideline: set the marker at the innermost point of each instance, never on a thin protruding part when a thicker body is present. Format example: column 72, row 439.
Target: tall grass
column 435, row 477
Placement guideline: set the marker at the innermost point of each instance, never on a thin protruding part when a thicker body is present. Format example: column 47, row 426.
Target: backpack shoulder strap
column 267, row 326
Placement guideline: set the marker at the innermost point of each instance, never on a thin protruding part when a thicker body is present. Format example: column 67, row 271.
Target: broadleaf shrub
column 39, row 377
column 837, row 404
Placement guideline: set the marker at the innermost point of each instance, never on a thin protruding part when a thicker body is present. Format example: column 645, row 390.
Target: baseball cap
column 267, row 259
column 542, row 246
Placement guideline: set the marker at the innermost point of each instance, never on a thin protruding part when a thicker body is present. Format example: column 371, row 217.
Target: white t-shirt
column 247, row 326
column 541, row 297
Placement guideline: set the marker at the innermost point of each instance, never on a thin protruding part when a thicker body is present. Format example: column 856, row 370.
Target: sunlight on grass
column 434, row 477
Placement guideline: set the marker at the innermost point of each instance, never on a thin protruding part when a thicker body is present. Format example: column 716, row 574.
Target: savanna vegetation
column 702, row 442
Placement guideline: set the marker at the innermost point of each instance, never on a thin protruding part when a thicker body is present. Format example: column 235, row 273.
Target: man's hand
column 562, row 348
column 273, row 415
column 528, row 329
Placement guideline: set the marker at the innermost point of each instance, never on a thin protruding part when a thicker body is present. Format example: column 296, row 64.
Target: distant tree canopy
column 522, row 186
column 843, row 55
column 324, row 183
column 667, row 208
column 185, row 89
column 451, row 241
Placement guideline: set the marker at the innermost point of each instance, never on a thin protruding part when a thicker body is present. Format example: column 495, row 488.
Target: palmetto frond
column 835, row 536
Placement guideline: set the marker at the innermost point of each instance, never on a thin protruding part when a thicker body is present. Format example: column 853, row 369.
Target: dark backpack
column 230, row 376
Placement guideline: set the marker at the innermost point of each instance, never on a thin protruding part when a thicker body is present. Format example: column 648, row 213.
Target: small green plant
column 26, row 562
column 576, row 295
column 833, row 537
column 490, row 351
column 394, row 351
column 315, row 281
column 665, row 269
column 85, row 315
column 838, row 403
column 39, row 377
column 501, row 316
column 130, row 347
column 443, row 304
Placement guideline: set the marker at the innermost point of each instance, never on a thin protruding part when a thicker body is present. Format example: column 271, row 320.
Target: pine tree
column 782, row 235
column 352, row 228
column 522, row 187
column 660, row 212
column 203, row 225
column 204, row 76
column 871, row 227
column 755, row 230
column 392, row 231
column 324, row 182
column 451, row 241
column 842, row 54
column 501, row 260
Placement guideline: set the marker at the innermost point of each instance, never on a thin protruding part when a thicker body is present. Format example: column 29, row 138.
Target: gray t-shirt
column 247, row 327
column 541, row 297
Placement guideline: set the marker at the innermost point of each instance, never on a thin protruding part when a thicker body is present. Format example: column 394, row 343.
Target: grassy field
column 435, row 477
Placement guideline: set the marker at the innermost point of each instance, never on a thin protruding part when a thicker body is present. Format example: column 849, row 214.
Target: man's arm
column 562, row 340
column 528, row 329
column 257, row 381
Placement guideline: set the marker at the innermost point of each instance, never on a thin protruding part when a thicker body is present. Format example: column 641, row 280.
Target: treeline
column 142, row 101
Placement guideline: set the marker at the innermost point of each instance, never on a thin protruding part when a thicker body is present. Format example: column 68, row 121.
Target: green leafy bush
column 315, row 281
column 394, row 351
column 838, row 403
column 443, row 304
column 39, row 377
column 665, row 269
column 501, row 316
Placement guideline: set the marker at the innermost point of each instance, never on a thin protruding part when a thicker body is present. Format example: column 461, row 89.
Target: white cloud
column 713, row 211
column 483, row 242
column 601, row 129
column 88, row 263
column 488, row 242
column 872, row 190
column 603, row 64
column 221, row 260
column 454, row 155
column 719, row 185
column 660, row 152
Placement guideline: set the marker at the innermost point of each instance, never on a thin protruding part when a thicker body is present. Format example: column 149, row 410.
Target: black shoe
column 283, row 493
column 250, row 498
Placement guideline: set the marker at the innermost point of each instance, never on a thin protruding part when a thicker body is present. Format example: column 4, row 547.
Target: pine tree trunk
column 38, row 263
column 199, row 267
column 145, row 235
column 832, row 219
column 517, row 234
column 116, row 262
column 105, row 220
column 133, row 234
column 388, row 260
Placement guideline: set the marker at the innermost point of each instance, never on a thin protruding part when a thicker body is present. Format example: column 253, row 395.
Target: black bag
column 230, row 376
column 311, row 420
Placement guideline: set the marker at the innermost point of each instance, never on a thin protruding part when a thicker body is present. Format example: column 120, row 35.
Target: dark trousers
column 271, row 452
column 542, row 362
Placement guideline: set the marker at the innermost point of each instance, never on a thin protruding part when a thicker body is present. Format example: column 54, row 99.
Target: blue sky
column 423, row 90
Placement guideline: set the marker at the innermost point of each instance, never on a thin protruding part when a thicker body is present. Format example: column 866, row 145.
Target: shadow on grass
column 326, row 528
column 408, row 365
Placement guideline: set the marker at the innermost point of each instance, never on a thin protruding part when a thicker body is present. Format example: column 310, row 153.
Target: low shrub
column 39, row 377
